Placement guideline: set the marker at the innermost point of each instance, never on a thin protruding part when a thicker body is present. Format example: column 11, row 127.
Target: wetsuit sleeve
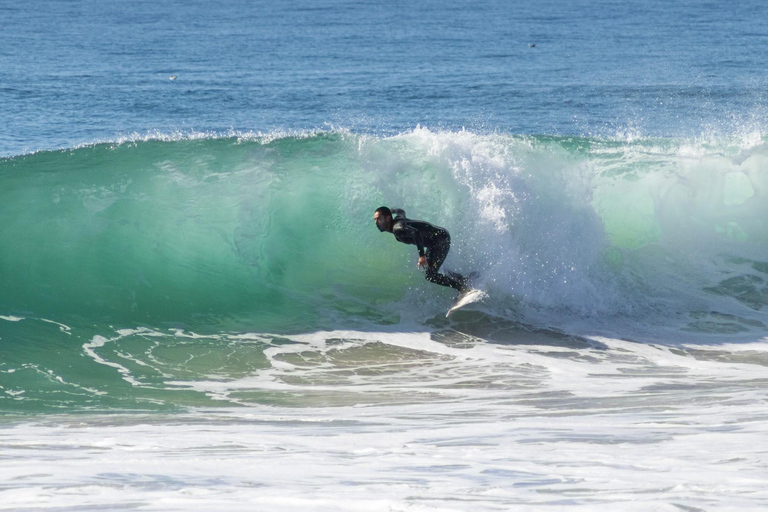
column 419, row 240
column 409, row 235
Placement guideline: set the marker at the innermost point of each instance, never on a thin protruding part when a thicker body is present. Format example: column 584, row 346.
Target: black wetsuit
column 436, row 241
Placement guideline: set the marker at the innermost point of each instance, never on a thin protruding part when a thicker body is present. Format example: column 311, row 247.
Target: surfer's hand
column 422, row 261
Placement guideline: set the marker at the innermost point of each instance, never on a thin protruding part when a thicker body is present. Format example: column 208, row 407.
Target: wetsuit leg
column 436, row 255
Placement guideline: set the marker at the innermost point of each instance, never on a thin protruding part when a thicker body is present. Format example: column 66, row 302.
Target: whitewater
column 213, row 322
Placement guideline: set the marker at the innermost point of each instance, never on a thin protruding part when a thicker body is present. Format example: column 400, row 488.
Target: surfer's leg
column 435, row 257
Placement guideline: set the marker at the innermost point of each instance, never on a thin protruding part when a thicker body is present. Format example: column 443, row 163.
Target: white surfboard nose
column 467, row 298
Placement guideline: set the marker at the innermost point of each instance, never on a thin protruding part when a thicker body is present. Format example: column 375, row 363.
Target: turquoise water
column 219, row 236
column 196, row 309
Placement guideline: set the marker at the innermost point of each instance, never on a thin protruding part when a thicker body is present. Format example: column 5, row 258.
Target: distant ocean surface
column 83, row 71
column 197, row 312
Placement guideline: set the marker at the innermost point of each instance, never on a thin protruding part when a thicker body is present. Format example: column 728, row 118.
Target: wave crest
column 274, row 230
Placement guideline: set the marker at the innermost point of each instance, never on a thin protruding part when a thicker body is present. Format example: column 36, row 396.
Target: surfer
column 433, row 243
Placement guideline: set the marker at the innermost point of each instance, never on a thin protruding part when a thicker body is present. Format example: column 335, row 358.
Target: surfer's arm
column 419, row 241
column 409, row 235
column 417, row 238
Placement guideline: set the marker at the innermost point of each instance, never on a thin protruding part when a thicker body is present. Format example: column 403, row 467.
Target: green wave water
column 171, row 248
column 197, row 231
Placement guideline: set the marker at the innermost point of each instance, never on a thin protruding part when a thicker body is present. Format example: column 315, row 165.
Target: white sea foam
column 444, row 420
column 90, row 349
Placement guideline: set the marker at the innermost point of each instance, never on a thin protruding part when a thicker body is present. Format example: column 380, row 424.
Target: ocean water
column 197, row 312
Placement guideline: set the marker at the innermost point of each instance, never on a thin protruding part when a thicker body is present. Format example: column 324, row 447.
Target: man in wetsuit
column 433, row 243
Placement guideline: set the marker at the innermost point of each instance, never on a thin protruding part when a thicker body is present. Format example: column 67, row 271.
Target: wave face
column 147, row 274
column 275, row 234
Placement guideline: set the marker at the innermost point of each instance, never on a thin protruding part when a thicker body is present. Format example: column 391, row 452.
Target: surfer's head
column 383, row 218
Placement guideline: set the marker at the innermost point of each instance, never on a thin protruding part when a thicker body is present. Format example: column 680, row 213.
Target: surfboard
column 466, row 298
